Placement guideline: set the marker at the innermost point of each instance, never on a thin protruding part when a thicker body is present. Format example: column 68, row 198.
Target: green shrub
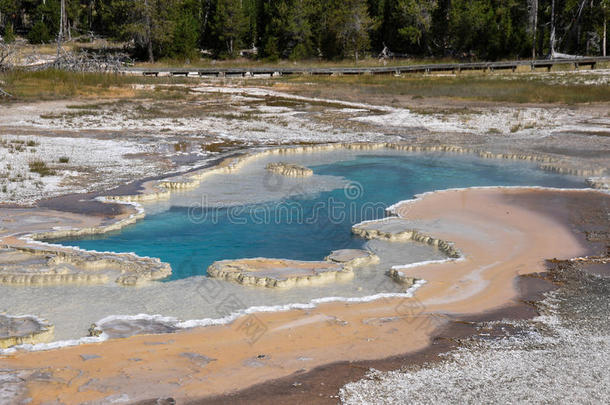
column 64, row 159
column 39, row 34
column 9, row 33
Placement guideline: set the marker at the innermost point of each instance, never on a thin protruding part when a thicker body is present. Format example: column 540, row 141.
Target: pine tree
column 288, row 33
column 351, row 24
column 186, row 37
column 230, row 24
column 9, row 33
column 409, row 23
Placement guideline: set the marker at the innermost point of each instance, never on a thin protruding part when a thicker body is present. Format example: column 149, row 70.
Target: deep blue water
column 309, row 227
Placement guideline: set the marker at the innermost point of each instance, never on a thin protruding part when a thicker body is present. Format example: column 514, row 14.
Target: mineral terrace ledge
column 289, row 169
column 50, row 266
column 395, row 229
column 23, row 330
column 284, row 273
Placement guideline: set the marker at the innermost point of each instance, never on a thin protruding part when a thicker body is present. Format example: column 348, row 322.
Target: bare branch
column 86, row 62
column 6, row 53
column 5, row 94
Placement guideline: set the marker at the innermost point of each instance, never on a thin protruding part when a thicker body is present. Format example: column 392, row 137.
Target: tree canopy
column 330, row 29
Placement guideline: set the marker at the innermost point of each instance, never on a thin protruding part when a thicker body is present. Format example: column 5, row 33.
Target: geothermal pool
column 256, row 214
column 251, row 213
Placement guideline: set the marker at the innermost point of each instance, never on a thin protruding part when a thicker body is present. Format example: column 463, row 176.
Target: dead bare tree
column 552, row 35
column 6, row 52
column 60, row 35
column 88, row 62
column 604, row 40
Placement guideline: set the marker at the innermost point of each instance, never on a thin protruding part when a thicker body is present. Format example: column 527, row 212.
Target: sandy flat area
column 502, row 233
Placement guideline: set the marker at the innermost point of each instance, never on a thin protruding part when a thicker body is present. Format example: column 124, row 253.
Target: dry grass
column 40, row 167
column 53, row 85
column 514, row 88
column 520, row 89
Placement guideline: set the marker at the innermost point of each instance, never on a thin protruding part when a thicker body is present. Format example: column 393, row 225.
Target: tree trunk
column 552, row 36
column 60, row 35
column 604, row 41
column 66, row 27
column 151, row 56
column 534, row 12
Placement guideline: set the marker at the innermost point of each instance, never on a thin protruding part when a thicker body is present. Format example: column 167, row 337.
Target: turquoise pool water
column 306, row 226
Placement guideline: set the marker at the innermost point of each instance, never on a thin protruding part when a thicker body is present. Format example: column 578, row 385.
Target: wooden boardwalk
column 387, row 70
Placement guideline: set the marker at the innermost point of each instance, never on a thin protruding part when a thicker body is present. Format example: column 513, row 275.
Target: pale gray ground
column 562, row 356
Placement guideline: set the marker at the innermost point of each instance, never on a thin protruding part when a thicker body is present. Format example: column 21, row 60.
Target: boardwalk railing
column 394, row 70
